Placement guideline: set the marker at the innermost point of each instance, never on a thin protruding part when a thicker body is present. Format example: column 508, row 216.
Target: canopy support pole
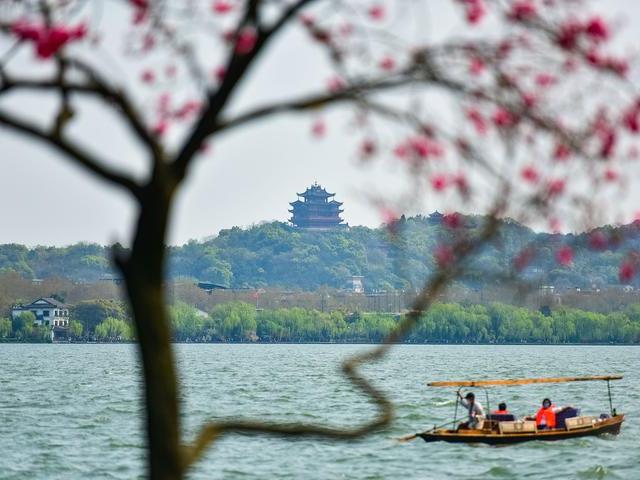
column 486, row 391
column 455, row 412
column 610, row 403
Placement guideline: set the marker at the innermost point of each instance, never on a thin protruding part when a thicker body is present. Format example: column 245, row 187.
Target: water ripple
column 80, row 417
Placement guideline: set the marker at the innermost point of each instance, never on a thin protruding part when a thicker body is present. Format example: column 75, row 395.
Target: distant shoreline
column 11, row 341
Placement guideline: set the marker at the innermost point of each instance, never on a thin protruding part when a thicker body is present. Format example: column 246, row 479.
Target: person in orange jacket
column 502, row 410
column 546, row 416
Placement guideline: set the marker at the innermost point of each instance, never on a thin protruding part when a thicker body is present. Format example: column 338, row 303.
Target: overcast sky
column 250, row 175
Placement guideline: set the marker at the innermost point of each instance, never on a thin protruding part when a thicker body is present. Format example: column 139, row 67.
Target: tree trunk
column 143, row 272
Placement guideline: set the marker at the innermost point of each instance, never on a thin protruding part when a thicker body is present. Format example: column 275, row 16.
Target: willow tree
column 527, row 113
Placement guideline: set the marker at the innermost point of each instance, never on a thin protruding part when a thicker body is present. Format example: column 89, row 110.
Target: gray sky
column 250, row 175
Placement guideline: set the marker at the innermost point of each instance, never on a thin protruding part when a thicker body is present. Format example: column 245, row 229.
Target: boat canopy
column 520, row 381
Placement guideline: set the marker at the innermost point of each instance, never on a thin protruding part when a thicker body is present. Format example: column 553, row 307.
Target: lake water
column 72, row 411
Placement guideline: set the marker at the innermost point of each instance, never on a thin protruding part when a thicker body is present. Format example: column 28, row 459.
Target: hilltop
column 276, row 254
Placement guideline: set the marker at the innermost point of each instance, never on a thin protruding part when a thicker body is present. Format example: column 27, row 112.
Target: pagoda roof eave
column 319, row 192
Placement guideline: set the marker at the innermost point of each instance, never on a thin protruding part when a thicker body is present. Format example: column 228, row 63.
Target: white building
column 355, row 284
column 48, row 311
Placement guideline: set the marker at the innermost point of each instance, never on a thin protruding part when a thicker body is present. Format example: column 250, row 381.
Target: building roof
column 316, row 190
column 54, row 302
column 316, row 211
column 43, row 302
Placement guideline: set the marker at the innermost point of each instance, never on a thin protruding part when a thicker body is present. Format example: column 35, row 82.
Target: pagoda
column 317, row 210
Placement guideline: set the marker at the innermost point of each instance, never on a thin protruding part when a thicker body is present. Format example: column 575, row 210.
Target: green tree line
column 107, row 320
column 443, row 323
column 276, row 254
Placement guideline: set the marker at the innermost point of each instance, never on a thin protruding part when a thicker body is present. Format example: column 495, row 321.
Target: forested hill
column 278, row 255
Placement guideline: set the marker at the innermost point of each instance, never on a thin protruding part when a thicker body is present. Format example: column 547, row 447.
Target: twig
column 73, row 152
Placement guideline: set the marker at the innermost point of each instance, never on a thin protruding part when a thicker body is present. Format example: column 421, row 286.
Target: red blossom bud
column 530, row 174
column 475, row 10
column 452, row 220
column 610, row 175
column 523, row 259
column 569, row 33
column 522, row 11
column 545, row 80
column 47, row 40
column 246, row 41
column 367, row 148
column 319, row 128
column 529, row 99
column 147, row 76
column 597, row 29
column 425, row 147
column 387, row 63
column 439, row 182
column 608, row 139
column 389, row 218
column 598, row 240
column 462, row 184
column 561, row 152
column 555, row 187
column 336, row 84
column 219, row 73
column 377, row 12
column 477, row 66
column 307, row 20
column 221, row 6
column 564, row 256
column 443, row 255
column 401, row 151
column 627, row 271
column 160, row 128
column 478, row 121
column 631, row 120
column 503, row 118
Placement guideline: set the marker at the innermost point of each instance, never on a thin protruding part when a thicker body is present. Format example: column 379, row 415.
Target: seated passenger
column 546, row 416
column 502, row 410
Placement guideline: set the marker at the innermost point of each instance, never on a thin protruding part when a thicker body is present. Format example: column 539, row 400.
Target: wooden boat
column 497, row 430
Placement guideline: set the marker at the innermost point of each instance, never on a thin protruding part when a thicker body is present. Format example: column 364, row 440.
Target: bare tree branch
column 96, row 86
column 237, row 67
column 73, row 152
column 313, row 102
column 428, row 295
column 125, row 105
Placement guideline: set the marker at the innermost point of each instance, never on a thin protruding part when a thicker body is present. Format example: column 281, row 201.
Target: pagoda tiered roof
column 316, row 211
column 316, row 190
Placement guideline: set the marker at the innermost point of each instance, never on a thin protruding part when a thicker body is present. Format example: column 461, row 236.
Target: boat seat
column 502, row 417
column 561, row 417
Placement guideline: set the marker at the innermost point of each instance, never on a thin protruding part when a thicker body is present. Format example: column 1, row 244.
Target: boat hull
column 609, row 426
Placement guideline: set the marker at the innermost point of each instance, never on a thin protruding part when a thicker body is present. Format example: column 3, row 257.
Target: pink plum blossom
column 503, row 118
column 564, row 256
column 246, row 41
column 627, row 271
column 530, row 174
column 319, row 128
column 387, row 63
column 439, row 182
column 522, row 11
column 221, row 6
column 444, row 255
column 377, row 12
